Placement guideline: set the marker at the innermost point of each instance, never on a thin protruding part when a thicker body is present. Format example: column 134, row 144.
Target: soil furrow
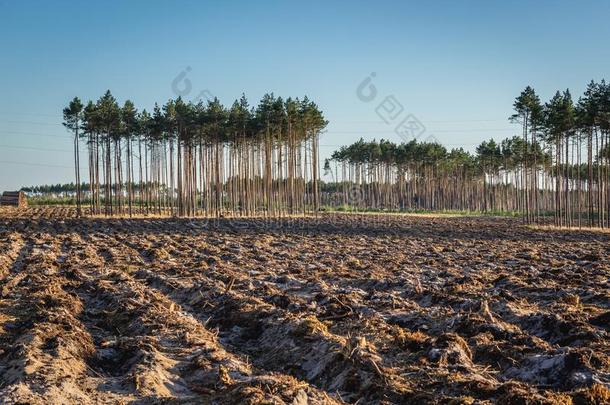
column 173, row 349
column 45, row 346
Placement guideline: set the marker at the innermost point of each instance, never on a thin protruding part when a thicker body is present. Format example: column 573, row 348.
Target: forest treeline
column 191, row 159
column 559, row 165
column 206, row 159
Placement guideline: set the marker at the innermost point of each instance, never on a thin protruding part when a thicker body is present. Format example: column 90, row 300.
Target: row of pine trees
column 190, row 159
column 426, row 176
column 576, row 135
column 559, row 166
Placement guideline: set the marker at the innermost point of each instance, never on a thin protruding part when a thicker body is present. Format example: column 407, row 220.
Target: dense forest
column 198, row 159
column 426, row 176
column 558, row 166
column 205, row 159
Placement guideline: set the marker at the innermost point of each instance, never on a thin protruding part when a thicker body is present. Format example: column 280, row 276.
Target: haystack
column 14, row 198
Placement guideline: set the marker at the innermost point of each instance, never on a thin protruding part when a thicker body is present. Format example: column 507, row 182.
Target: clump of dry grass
column 571, row 299
column 596, row 394
column 567, row 229
column 353, row 263
column 461, row 401
column 559, row 399
column 310, row 326
column 413, row 341
column 223, row 375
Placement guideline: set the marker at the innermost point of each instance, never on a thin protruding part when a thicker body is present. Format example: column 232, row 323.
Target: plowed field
column 337, row 309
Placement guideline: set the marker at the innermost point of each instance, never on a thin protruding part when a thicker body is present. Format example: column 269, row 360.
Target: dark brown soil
column 337, row 309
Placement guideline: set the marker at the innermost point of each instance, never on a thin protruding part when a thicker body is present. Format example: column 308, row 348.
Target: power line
column 35, row 134
column 442, row 143
column 333, row 121
column 134, row 155
column 34, row 148
column 38, row 164
column 31, row 122
column 30, row 114
column 440, row 130
column 430, row 121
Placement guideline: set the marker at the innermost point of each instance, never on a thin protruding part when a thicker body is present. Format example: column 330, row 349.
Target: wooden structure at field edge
column 14, row 198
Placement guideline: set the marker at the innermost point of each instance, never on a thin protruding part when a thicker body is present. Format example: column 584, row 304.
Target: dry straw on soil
column 330, row 310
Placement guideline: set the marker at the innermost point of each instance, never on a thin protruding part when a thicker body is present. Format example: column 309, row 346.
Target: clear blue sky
column 455, row 65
